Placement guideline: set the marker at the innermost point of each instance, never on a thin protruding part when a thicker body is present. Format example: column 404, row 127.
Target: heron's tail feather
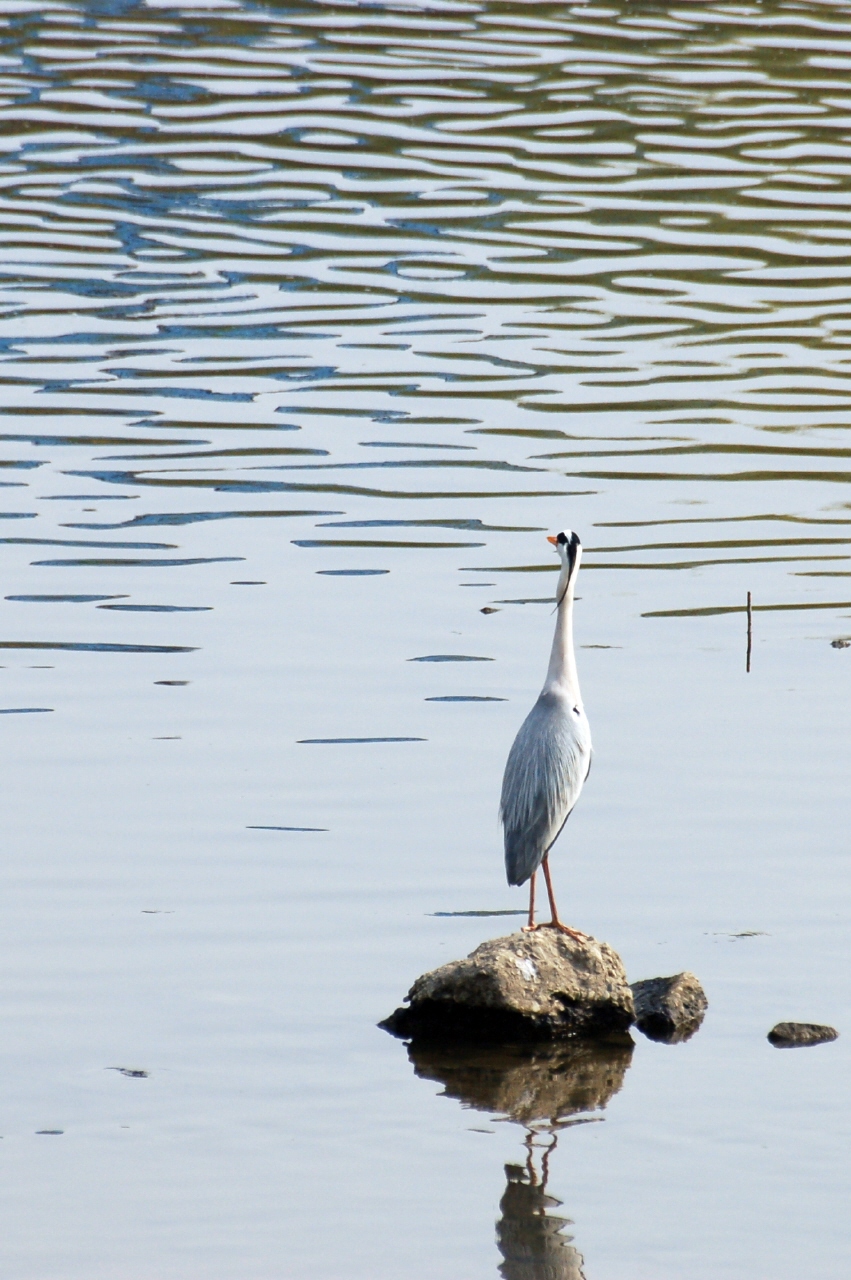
column 522, row 857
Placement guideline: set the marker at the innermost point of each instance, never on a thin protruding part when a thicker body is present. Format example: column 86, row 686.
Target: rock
column 669, row 1009
column 793, row 1035
column 529, row 986
column 527, row 1083
column 841, row 642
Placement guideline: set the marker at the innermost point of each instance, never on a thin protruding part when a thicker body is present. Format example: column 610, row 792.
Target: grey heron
column 550, row 758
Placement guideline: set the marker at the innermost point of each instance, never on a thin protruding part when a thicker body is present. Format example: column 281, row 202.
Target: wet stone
column 669, row 1009
column 525, row 987
column 794, row 1035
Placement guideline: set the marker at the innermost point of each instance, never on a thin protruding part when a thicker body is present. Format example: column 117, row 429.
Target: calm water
column 316, row 319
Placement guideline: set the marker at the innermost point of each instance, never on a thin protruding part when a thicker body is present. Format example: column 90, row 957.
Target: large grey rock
column 793, row 1035
column 528, row 986
column 669, row 1009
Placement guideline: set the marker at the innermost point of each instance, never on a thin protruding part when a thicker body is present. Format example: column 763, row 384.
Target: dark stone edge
column 663, row 1029
column 439, row 1020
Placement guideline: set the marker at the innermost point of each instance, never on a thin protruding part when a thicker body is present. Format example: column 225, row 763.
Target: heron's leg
column 528, row 928
column 555, row 923
column 545, row 1161
column 531, row 1172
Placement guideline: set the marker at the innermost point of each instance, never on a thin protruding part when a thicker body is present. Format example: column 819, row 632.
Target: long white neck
column 561, row 672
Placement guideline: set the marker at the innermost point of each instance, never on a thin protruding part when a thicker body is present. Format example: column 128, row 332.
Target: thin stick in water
column 750, row 632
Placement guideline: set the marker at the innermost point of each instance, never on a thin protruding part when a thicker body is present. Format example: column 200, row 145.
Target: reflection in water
column 531, row 1239
column 545, row 1089
column 546, row 1084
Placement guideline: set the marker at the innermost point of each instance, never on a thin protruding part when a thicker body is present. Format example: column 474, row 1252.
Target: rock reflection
column 546, row 1089
column 548, row 1083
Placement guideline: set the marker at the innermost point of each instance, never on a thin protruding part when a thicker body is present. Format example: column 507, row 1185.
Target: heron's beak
column 553, row 540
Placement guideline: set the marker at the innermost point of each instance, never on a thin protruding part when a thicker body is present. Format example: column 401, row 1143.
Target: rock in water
column 791, row 1035
column 529, row 986
column 669, row 1009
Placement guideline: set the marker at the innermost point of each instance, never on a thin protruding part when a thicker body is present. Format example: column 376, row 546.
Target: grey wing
column 547, row 765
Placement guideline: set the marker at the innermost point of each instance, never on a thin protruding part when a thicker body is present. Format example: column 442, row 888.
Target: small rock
column 669, row 1009
column 527, row 986
column 792, row 1035
column 841, row 642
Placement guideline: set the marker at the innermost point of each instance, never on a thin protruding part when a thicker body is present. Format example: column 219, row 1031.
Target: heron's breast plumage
column 547, row 765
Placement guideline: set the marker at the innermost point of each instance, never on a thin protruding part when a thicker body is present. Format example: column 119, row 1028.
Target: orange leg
column 528, row 928
column 555, row 923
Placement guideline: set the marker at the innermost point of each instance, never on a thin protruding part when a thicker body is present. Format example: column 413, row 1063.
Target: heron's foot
column 563, row 928
column 530, row 928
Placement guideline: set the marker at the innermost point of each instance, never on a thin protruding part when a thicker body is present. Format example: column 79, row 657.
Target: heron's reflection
column 546, row 1089
column 530, row 1238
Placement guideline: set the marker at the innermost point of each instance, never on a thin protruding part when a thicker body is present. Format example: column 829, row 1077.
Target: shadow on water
column 546, row 1089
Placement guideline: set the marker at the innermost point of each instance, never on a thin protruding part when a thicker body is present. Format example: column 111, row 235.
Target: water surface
column 359, row 302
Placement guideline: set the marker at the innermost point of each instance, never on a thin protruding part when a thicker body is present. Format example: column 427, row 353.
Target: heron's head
column 569, row 550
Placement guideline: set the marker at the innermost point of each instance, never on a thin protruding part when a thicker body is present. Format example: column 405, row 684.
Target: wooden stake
column 750, row 632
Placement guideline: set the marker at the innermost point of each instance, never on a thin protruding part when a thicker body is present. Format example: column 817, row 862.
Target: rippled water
column 352, row 303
